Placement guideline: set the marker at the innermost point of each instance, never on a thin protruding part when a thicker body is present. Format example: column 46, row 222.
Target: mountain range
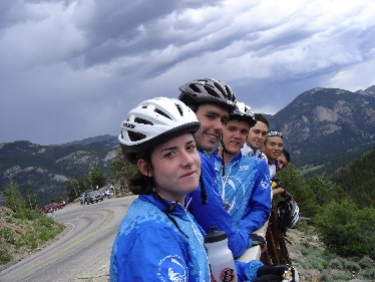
column 323, row 128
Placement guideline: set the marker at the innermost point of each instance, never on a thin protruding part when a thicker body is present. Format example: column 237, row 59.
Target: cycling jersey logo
column 264, row 184
column 244, row 167
column 173, row 265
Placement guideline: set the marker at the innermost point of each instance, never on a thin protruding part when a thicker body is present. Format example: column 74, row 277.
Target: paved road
column 82, row 254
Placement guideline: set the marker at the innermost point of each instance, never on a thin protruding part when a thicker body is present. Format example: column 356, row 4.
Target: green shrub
column 316, row 262
column 305, row 244
column 369, row 274
column 302, row 263
column 5, row 256
column 327, row 278
column 41, row 229
column 351, row 265
column 304, row 251
column 335, row 277
column 366, row 262
column 8, row 234
column 48, row 229
column 336, row 264
column 346, row 230
column 26, row 214
column 30, row 238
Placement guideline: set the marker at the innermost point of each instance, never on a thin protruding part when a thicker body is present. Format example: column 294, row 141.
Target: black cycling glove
column 257, row 240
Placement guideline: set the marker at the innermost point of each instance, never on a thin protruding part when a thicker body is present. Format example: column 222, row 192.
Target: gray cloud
column 72, row 69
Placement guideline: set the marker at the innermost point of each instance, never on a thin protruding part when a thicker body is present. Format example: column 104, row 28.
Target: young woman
column 159, row 240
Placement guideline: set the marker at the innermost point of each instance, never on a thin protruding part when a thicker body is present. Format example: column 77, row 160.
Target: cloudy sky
column 72, row 69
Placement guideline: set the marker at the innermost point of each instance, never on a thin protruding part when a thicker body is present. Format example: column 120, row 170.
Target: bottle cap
column 215, row 236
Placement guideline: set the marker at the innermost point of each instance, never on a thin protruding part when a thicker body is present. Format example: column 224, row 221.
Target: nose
column 218, row 125
column 237, row 134
column 187, row 159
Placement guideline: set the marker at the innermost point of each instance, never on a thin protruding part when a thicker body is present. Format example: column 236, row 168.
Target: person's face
column 272, row 148
column 211, row 118
column 281, row 162
column 257, row 135
column 234, row 135
column 175, row 167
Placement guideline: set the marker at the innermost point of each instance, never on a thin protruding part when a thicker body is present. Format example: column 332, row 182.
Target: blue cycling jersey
column 244, row 187
column 214, row 213
column 150, row 247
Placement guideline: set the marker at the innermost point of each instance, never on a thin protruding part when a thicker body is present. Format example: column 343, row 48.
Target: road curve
column 82, row 254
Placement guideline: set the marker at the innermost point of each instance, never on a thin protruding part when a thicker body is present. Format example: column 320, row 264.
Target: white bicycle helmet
column 153, row 122
column 288, row 214
column 208, row 90
column 243, row 112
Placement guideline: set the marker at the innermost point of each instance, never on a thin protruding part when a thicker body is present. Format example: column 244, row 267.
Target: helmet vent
column 211, row 91
column 179, row 109
column 143, row 121
column 195, row 88
column 135, row 136
column 229, row 91
column 162, row 113
column 220, row 87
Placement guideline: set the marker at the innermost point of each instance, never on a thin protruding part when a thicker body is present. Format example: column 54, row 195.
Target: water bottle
column 220, row 257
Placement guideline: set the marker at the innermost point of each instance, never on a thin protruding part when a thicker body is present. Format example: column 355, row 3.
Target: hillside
column 46, row 169
column 358, row 173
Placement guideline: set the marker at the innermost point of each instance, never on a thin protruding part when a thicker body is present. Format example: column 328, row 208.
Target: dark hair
column 262, row 118
column 195, row 107
column 139, row 183
column 286, row 154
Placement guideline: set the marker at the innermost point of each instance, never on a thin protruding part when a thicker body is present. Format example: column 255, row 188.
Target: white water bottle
column 220, row 257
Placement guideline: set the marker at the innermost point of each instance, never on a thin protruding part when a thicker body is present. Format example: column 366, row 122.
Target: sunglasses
column 275, row 133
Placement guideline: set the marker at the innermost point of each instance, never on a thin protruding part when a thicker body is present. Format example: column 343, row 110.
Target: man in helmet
column 212, row 101
column 243, row 181
column 272, row 148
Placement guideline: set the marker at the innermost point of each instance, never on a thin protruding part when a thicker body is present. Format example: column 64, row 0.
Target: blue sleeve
column 247, row 271
column 141, row 257
column 214, row 214
column 259, row 207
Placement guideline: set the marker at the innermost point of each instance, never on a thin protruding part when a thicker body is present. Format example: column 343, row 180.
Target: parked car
column 60, row 205
column 93, row 197
column 50, row 207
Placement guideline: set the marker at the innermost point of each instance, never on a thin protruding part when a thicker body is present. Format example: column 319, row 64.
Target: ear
column 145, row 168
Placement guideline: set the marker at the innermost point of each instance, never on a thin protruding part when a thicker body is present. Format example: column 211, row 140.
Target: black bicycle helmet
column 152, row 122
column 288, row 214
column 208, row 90
column 243, row 112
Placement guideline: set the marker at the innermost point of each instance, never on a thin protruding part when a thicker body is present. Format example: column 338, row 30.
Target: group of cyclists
column 193, row 174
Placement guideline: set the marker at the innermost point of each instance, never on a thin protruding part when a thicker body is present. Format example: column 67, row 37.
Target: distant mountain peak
column 370, row 91
column 97, row 141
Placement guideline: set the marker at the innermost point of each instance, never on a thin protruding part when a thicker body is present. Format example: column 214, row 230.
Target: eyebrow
column 174, row 147
column 212, row 113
